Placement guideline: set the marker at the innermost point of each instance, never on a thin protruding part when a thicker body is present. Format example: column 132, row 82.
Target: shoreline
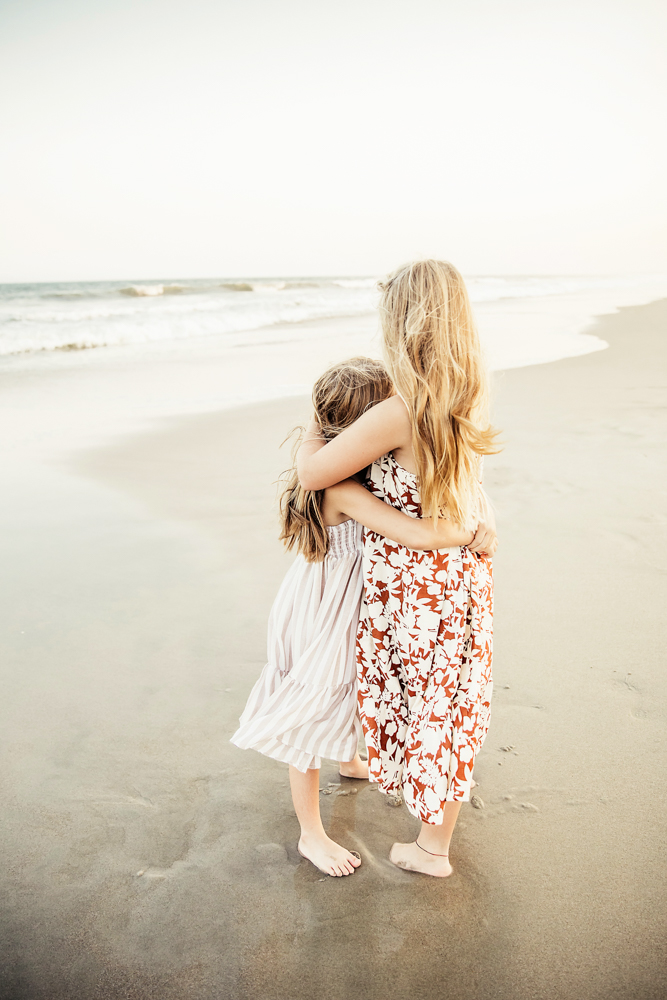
column 145, row 856
column 523, row 319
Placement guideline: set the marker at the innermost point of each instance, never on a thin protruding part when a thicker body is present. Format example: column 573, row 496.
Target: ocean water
column 522, row 319
column 169, row 349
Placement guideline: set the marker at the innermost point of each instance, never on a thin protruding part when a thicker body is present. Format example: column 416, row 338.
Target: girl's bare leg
column 429, row 853
column 356, row 768
column 325, row 854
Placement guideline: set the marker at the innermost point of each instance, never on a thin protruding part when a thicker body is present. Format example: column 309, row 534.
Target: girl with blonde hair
column 424, row 643
column 304, row 705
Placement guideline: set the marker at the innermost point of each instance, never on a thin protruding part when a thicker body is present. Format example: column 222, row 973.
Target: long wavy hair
column 340, row 396
column 435, row 361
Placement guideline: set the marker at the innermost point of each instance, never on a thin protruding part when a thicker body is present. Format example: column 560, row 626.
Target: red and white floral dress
column 424, row 651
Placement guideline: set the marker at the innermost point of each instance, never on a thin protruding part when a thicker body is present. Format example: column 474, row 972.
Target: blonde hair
column 435, row 360
column 340, row 396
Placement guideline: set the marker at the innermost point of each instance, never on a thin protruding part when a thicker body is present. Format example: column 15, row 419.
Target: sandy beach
column 143, row 856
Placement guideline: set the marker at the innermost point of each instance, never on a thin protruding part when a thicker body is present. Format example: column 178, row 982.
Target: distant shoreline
column 77, row 316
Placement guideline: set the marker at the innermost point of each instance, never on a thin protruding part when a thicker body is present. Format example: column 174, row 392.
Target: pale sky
column 196, row 138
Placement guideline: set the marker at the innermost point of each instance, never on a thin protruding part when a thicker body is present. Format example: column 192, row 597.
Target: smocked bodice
column 344, row 539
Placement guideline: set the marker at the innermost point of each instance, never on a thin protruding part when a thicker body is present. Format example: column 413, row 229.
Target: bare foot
column 327, row 855
column 356, row 768
column 413, row 859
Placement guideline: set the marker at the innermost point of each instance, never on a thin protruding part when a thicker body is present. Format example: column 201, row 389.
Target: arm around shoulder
column 350, row 498
column 381, row 429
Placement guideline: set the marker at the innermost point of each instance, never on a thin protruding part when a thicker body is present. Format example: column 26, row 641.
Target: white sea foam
column 211, row 348
column 141, row 291
column 523, row 319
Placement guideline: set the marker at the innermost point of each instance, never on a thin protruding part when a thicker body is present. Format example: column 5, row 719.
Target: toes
column 337, row 867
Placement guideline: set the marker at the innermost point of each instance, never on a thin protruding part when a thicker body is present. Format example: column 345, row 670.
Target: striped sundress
column 304, row 705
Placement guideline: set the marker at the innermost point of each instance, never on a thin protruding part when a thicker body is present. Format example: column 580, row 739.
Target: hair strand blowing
column 435, row 360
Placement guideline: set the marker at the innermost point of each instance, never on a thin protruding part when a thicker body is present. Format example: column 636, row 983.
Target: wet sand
column 143, row 856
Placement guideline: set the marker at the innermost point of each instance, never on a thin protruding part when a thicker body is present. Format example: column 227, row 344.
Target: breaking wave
column 80, row 315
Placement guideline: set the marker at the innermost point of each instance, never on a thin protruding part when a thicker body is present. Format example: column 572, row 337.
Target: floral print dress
column 424, row 651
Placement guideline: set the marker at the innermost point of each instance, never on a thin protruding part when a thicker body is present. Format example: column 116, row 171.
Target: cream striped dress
column 304, row 705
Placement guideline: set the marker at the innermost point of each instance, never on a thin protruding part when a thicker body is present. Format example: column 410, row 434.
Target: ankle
column 312, row 834
column 433, row 844
column 431, row 853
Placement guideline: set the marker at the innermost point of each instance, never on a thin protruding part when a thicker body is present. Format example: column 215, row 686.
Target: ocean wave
column 135, row 326
column 143, row 291
column 78, row 316
column 356, row 282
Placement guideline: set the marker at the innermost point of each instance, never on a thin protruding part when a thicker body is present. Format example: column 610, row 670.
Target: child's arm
column 485, row 539
column 350, row 498
column 381, row 429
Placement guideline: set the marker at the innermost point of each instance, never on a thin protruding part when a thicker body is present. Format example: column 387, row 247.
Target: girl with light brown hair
column 424, row 644
column 304, row 705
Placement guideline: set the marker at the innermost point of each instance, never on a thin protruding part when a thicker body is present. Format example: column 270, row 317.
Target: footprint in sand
column 271, row 853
